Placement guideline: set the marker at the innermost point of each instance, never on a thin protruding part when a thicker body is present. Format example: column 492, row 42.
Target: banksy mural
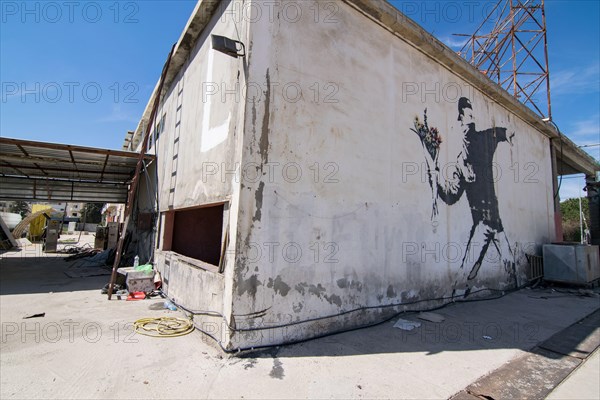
column 470, row 176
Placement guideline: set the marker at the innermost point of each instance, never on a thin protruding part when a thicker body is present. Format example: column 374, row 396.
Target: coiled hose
column 163, row 326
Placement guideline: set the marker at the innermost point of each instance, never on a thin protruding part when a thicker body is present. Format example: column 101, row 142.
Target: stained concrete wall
column 197, row 153
column 309, row 142
column 340, row 217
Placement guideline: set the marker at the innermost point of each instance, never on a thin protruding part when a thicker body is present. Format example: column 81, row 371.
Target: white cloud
column 454, row 42
column 586, row 132
column 585, row 129
column 576, row 80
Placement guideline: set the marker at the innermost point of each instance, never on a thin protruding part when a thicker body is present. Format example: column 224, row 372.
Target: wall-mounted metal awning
column 50, row 171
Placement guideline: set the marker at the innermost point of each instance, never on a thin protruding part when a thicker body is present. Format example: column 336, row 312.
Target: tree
column 570, row 218
column 93, row 213
column 20, row 207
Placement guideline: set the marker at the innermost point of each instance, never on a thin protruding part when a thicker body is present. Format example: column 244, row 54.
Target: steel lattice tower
column 514, row 52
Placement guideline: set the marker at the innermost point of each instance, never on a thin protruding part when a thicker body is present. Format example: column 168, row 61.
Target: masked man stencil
column 472, row 176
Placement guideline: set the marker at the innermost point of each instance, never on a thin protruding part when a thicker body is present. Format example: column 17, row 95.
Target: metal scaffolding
column 514, row 51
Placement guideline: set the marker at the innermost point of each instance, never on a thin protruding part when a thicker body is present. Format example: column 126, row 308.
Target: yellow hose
column 163, row 326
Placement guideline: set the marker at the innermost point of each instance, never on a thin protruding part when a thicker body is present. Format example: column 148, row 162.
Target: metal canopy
column 49, row 171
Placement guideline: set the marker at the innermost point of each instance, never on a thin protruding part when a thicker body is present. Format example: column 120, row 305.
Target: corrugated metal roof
column 50, row 171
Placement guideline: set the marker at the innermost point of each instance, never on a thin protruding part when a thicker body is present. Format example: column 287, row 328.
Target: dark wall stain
column 296, row 307
column 242, row 285
column 407, row 297
column 253, row 123
column 264, row 136
column 334, row 299
column 391, row 293
column 249, row 285
column 316, row 290
column 354, row 285
column 258, row 196
column 263, row 145
column 300, row 288
column 279, row 286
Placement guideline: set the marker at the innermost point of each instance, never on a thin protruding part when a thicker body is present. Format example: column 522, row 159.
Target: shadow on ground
column 519, row 320
column 25, row 275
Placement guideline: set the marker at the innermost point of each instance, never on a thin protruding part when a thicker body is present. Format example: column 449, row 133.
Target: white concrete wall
column 363, row 224
column 208, row 129
column 209, row 125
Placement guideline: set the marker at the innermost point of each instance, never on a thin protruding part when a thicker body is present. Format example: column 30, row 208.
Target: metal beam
column 81, row 149
column 32, row 170
column 83, row 171
column 104, row 168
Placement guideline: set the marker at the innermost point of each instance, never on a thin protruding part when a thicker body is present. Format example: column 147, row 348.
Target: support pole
column 136, row 175
column 580, row 222
column 592, row 188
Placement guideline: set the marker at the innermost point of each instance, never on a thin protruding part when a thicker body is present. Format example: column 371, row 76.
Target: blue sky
column 573, row 53
column 81, row 72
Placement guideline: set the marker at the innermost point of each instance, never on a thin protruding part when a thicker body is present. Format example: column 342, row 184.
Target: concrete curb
column 536, row 374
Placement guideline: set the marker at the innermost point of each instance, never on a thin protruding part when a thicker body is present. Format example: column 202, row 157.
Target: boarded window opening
column 195, row 233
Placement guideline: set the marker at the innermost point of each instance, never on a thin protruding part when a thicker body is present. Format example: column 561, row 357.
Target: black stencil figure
column 471, row 175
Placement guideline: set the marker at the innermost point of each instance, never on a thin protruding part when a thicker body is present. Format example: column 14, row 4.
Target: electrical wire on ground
column 453, row 300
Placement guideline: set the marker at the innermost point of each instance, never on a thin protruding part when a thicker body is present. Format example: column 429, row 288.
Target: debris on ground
column 158, row 306
column 92, row 258
column 116, row 287
column 431, row 317
column 588, row 293
column 154, row 293
column 40, row 315
column 133, row 296
column 79, row 251
column 406, row 325
column 122, row 294
column 93, row 255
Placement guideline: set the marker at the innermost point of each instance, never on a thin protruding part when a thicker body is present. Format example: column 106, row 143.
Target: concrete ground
column 84, row 347
column 583, row 383
column 67, row 241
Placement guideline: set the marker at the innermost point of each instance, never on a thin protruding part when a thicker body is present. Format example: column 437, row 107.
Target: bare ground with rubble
column 84, row 346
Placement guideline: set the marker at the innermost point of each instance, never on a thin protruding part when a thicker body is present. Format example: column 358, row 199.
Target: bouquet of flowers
column 431, row 141
column 430, row 137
